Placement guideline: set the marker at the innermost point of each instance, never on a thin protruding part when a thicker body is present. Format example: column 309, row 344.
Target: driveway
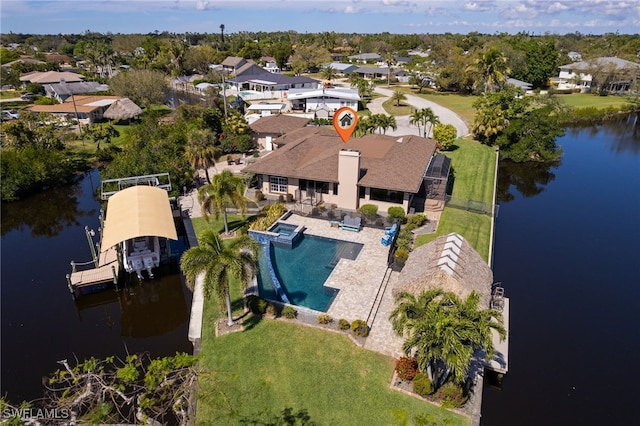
column 445, row 115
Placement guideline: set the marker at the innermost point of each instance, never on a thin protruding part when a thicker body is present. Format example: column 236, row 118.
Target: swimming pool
column 303, row 270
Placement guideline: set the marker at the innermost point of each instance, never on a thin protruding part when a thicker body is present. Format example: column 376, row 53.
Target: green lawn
column 274, row 365
column 474, row 171
column 584, row 100
column 233, row 220
column 460, row 104
column 403, row 109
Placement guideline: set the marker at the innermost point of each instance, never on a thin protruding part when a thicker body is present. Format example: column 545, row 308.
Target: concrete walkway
column 445, row 115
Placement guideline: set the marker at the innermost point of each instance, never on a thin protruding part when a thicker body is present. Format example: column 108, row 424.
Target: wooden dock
column 500, row 361
column 106, row 271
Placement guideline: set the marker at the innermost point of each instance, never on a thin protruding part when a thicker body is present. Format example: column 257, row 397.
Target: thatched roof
column 122, row 109
column 450, row 263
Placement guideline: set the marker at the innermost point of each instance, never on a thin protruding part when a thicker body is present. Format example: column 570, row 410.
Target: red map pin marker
column 345, row 121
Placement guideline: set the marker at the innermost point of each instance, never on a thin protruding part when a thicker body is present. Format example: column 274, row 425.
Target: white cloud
column 557, row 7
column 474, row 6
column 202, row 5
column 351, row 9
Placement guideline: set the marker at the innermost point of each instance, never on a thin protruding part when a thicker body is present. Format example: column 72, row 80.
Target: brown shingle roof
column 389, row 162
column 278, row 124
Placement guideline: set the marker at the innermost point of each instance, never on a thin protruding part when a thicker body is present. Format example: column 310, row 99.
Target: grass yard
column 585, row 100
column 473, row 167
column 391, row 108
column 234, row 221
column 275, row 365
column 460, row 104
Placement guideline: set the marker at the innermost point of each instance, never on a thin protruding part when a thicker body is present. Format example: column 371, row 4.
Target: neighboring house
column 57, row 59
column 325, row 99
column 402, row 60
column 401, row 75
column 612, row 74
column 266, row 129
column 87, row 109
column 341, row 68
column 519, row 84
column 315, row 165
column 371, row 73
column 232, row 63
column 270, row 64
column 271, row 82
column 367, row 58
column 250, row 68
column 61, row 91
column 265, row 108
column 24, row 60
column 418, row 52
column 51, row 77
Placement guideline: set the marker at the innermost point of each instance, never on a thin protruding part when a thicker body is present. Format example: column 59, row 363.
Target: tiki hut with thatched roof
column 450, row 263
column 122, row 109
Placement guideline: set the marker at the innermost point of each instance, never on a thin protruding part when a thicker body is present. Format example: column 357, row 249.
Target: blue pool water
column 303, row 269
column 284, row 229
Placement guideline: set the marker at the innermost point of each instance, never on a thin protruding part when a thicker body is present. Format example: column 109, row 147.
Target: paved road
column 445, row 115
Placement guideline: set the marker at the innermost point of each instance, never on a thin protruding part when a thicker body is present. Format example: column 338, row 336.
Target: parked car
column 28, row 97
column 10, row 115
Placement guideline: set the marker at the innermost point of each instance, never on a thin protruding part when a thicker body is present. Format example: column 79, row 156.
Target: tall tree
column 222, row 34
column 491, row 70
column 225, row 190
column 220, row 261
column 328, row 72
column 200, row 151
column 390, row 60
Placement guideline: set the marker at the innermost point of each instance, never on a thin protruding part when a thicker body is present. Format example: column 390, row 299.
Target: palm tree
column 429, row 118
column 491, row 67
column 200, row 152
column 390, row 60
column 225, row 190
column 398, row 97
column 383, row 122
column 222, row 34
column 445, row 331
column 328, row 72
column 219, row 262
column 416, row 118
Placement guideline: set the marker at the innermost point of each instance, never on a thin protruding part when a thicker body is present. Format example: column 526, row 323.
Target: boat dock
column 500, row 361
column 105, row 269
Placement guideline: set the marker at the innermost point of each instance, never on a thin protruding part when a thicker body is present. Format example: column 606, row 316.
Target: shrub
column 422, row 384
column 360, row 328
column 256, row 155
column 369, row 210
column 289, row 198
column 343, row 324
column 272, row 213
column 405, row 240
column 396, row 213
column 289, row 312
column 400, row 256
column 273, row 310
column 416, row 219
column 451, row 395
column 406, row 368
column 257, row 305
column 281, row 198
column 445, row 135
column 324, row 319
column 259, row 196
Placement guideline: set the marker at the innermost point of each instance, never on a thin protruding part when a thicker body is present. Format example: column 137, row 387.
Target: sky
column 313, row 16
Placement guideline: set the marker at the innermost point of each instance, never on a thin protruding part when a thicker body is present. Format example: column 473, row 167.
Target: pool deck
column 359, row 281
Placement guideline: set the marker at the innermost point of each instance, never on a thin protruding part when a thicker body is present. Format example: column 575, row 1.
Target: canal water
column 567, row 251
column 42, row 324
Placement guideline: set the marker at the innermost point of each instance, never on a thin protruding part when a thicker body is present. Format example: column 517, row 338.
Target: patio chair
column 386, row 240
column 390, row 230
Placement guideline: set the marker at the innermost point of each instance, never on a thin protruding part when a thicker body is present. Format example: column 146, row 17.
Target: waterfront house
column 609, row 73
column 87, row 109
column 316, row 166
column 323, row 101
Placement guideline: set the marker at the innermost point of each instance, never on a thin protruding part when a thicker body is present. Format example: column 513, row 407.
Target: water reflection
column 48, row 213
column 147, row 309
column 529, row 179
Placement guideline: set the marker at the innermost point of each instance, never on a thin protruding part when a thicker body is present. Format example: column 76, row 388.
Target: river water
column 42, row 324
column 567, row 250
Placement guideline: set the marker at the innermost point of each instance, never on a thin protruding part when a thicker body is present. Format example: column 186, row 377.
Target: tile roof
column 388, row 162
column 51, row 77
column 278, row 124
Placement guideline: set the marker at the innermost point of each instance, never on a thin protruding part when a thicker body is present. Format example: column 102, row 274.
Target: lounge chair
column 386, row 240
column 351, row 223
column 390, row 230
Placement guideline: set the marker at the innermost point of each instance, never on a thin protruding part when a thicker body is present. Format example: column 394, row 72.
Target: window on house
column 335, row 189
column 396, row 197
column 278, row 184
